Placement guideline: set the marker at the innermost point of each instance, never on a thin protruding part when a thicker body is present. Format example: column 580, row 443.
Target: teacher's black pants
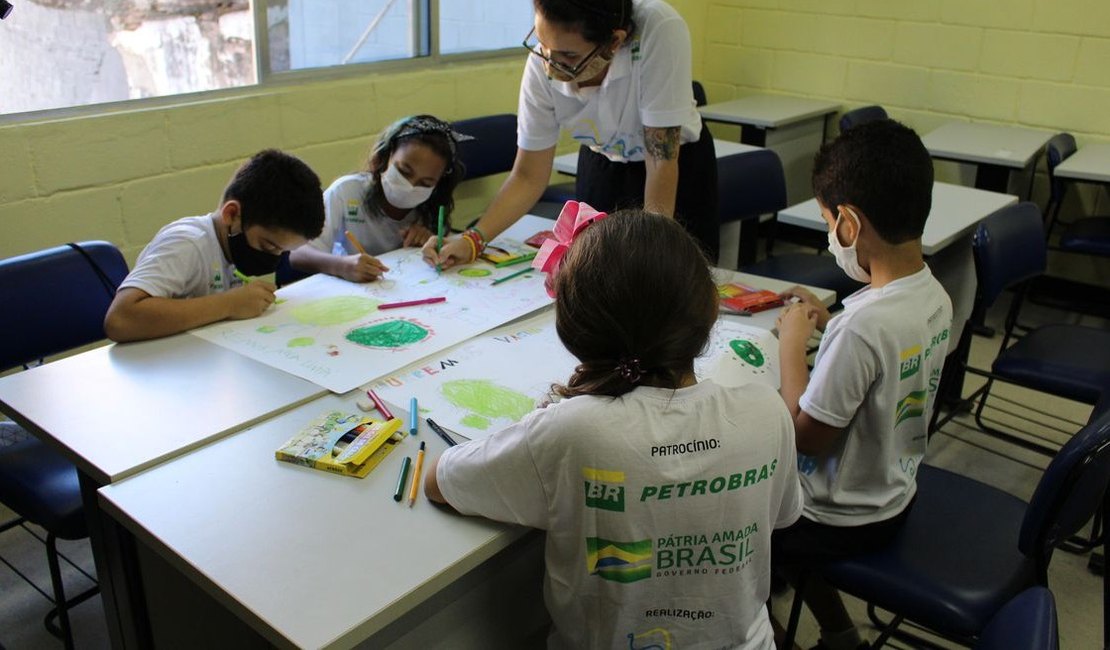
column 609, row 186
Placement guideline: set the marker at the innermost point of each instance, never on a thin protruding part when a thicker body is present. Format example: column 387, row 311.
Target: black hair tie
column 630, row 370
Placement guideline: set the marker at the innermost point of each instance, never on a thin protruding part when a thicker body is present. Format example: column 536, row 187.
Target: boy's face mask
column 248, row 259
column 846, row 255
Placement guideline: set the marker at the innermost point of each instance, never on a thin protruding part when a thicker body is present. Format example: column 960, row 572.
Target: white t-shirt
column 184, row 260
column 658, row 507
column 649, row 83
column 875, row 374
column 345, row 209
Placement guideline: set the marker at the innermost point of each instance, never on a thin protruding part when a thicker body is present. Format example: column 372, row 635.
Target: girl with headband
column 411, row 172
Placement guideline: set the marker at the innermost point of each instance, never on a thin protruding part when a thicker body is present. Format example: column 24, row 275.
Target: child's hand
column 415, row 235
column 454, row 251
column 250, row 299
column 807, row 298
column 362, row 268
column 796, row 324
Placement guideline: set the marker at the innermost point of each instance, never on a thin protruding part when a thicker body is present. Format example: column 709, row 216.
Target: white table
column 568, row 162
column 266, row 541
column 995, row 149
column 1090, row 163
column 793, row 127
column 955, row 211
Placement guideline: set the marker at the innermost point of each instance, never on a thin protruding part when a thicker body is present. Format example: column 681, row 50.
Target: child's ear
column 231, row 214
column 855, row 224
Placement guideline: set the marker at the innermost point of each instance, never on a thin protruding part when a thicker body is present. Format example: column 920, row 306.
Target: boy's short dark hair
column 277, row 190
column 883, row 168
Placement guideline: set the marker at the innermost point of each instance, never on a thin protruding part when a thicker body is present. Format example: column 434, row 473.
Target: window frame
column 427, row 12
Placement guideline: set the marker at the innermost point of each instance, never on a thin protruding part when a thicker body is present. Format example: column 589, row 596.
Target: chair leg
column 59, row 592
column 795, row 610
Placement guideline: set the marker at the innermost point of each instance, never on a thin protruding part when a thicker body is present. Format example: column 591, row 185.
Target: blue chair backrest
column 1027, row 622
column 493, row 149
column 55, row 299
column 1009, row 248
column 1058, row 149
column 860, row 116
column 699, row 94
column 750, row 184
column 1070, row 491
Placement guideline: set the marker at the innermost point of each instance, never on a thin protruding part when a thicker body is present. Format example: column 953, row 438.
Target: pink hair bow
column 573, row 219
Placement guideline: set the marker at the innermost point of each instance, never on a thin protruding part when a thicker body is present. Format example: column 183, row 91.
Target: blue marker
column 413, row 424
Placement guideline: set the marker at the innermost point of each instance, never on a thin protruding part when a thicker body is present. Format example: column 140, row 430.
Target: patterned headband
column 422, row 124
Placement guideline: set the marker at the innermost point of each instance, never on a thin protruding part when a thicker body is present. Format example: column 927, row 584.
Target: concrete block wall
column 121, row 176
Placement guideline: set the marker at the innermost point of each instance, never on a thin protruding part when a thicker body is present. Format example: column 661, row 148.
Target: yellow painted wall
column 123, row 175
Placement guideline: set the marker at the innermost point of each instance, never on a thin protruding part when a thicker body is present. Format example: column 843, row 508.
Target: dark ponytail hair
column 437, row 135
column 594, row 19
column 634, row 302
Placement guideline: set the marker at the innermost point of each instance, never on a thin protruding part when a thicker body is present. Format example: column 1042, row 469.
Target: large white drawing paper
column 488, row 383
column 331, row 332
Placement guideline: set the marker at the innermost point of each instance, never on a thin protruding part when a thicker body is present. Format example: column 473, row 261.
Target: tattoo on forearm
column 662, row 143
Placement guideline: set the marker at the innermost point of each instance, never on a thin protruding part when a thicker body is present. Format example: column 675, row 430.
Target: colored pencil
column 440, row 432
column 414, row 412
column 379, row 404
column 513, row 275
column 416, row 475
column 411, row 303
column 516, row 260
column 399, row 492
column 243, row 277
column 354, row 242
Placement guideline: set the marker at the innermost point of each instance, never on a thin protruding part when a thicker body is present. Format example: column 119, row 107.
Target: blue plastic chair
column 749, row 184
column 493, row 147
column 1065, row 360
column 861, row 115
column 1028, row 622
column 58, row 298
column 1088, row 235
column 966, row 548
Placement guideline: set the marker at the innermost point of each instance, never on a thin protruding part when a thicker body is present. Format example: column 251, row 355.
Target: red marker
column 379, row 404
column 411, row 303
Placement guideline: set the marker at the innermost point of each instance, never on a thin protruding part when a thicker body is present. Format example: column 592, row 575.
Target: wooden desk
column 792, row 127
column 267, row 548
column 996, row 150
column 1090, row 163
column 568, row 162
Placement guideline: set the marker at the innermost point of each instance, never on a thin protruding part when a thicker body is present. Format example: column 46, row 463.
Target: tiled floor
column 957, row 447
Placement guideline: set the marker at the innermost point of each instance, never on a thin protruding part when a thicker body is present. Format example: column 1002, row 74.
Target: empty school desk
column 1090, row 163
column 792, row 127
column 265, row 552
column 994, row 149
column 119, row 409
column 568, row 162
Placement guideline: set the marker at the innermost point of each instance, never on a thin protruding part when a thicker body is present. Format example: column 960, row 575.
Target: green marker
column 513, row 275
column 439, row 237
column 400, row 491
column 242, row 276
column 527, row 257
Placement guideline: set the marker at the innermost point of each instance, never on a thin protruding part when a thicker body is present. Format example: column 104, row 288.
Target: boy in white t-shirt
column 191, row 273
column 861, row 418
column 658, row 493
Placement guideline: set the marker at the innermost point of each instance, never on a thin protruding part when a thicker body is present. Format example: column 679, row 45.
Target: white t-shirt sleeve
column 171, row 266
column 496, row 478
column 537, row 125
column 843, row 373
column 666, row 88
column 335, row 208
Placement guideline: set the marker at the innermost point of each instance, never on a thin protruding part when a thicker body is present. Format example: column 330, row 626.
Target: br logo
column 604, row 489
column 910, row 362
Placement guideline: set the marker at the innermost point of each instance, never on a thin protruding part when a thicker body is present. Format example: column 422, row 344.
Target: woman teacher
column 616, row 74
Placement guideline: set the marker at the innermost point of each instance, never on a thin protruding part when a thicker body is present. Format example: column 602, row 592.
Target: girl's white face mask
column 400, row 192
column 846, row 255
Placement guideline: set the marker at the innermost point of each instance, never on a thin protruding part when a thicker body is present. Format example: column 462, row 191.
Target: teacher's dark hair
column 594, row 19
column 634, row 302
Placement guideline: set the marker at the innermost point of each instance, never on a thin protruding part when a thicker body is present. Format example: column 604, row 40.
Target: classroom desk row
column 193, row 519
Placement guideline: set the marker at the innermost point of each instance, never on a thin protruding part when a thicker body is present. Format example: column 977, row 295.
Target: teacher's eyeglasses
column 532, row 44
